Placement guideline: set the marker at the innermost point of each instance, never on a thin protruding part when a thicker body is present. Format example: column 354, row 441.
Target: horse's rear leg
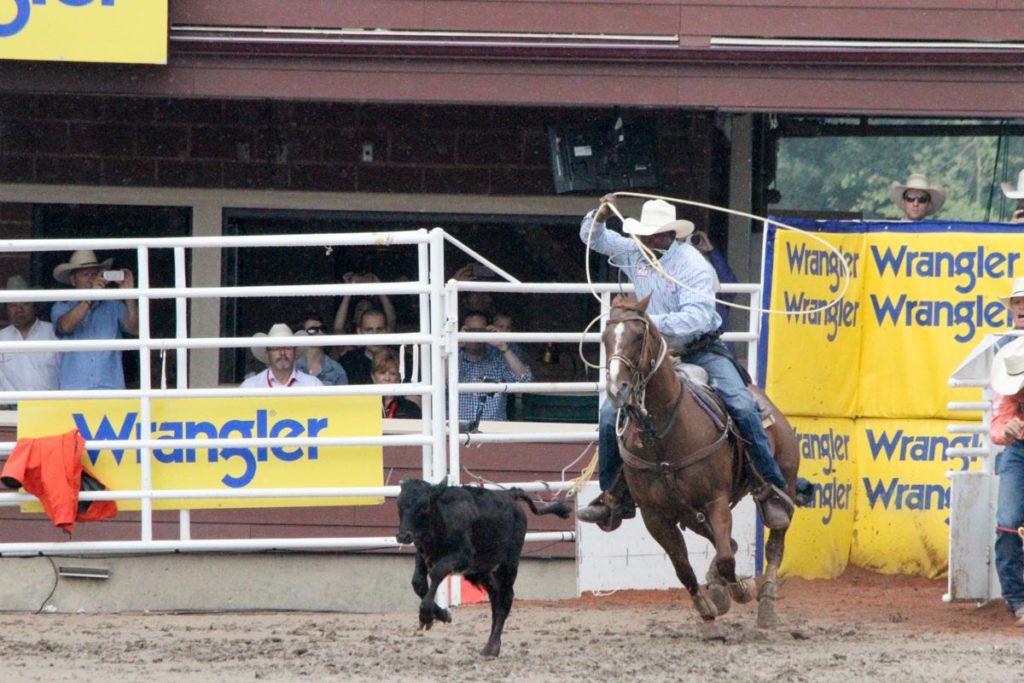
column 670, row 538
column 774, row 549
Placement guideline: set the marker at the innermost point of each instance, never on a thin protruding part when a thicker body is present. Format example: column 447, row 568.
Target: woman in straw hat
column 917, row 198
column 1007, row 429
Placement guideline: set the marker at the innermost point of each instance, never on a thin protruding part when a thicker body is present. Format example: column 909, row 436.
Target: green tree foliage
column 853, row 174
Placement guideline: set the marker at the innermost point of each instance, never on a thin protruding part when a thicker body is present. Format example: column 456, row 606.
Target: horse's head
column 630, row 344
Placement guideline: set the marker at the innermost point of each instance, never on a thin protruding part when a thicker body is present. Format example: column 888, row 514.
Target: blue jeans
column 740, row 403
column 1010, row 514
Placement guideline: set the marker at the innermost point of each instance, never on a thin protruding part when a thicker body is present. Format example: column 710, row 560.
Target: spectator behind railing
column 314, row 360
column 106, row 319
column 344, row 324
column 487, row 362
column 502, row 322
column 385, row 371
column 280, row 362
column 723, row 274
column 358, row 361
column 27, row 370
column 475, row 301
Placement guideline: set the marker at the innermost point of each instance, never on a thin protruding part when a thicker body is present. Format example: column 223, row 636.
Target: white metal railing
column 437, row 382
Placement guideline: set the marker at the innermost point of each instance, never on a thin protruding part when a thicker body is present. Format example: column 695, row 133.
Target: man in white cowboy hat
column 1014, row 302
column 917, row 198
column 27, row 370
column 280, row 362
column 1007, row 429
column 686, row 318
column 1017, row 193
column 93, row 319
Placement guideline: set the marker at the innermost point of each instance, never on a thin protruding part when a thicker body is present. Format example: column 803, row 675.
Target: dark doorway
column 532, row 248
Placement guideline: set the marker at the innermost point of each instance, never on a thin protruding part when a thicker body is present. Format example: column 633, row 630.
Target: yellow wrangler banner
column 819, row 540
column 224, row 468
column 107, row 31
column 902, row 505
column 921, row 298
column 815, row 348
column 868, row 378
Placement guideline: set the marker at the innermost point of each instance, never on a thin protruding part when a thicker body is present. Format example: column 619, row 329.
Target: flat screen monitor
column 616, row 154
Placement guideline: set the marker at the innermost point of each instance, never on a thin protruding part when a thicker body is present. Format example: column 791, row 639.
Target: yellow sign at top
column 106, row 31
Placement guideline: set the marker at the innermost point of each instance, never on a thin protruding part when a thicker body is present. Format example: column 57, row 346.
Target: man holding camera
column 92, row 319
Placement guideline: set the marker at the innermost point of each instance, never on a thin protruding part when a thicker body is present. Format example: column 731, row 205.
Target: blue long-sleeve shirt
column 681, row 314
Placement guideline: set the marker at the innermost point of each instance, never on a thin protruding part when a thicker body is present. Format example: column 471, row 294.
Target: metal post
column 435, row 469
column 181, row 362
column 452, row 355
column 145, row 402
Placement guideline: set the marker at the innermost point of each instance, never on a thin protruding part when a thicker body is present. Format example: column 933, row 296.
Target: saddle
column 699, row 382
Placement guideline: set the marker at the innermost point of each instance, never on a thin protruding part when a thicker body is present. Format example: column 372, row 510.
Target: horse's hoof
column 703, row 604
column 719, row 596
column 710, row 630
column 766, row 617
column 743, row 591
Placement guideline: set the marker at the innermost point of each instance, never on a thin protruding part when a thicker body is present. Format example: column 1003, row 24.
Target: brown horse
column 684, row 468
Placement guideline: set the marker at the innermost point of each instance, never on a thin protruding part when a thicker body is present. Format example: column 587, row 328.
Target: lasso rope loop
column 656, row 265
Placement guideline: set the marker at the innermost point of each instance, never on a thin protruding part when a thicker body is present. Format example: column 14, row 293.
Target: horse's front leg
column 773, row 551
column 723, row 584
column 666, row 532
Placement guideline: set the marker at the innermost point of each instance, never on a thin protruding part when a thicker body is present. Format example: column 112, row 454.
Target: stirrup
column 775, row 506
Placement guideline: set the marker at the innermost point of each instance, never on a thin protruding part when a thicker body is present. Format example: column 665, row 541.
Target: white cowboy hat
column 1017, row 290
column 657, row 216
column 84, row 258
column 278, row 330
column 16, row 282
column 1008, row 368
column 919, row 181
column 1012, row 192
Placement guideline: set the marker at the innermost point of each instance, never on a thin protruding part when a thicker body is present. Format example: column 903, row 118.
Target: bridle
column 639, row 379
column 636, row 408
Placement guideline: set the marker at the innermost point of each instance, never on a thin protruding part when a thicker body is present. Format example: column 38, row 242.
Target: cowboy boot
column 611, row 507
column 775, row 506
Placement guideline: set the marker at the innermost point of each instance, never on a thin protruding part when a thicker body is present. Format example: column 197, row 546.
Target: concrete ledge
column 219, row 582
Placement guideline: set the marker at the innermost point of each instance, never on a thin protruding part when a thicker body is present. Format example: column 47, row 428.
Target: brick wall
column 126, row 141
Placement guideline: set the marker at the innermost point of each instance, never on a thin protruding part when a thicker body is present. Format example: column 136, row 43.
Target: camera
column 697, row 239
column 113, row 275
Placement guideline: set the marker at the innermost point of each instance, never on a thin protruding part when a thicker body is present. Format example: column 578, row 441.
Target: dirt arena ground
column 862, row 627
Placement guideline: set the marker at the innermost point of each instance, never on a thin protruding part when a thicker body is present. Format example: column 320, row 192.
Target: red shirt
column 1004, row 409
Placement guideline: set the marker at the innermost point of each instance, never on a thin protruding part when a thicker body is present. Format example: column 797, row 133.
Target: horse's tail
column 555, row 507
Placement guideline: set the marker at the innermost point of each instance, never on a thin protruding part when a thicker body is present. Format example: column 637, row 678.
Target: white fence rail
column 437, row 381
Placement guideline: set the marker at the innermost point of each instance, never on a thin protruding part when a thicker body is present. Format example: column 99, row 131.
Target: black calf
column 466, row 530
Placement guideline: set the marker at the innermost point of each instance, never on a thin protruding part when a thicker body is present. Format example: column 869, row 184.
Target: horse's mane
column 622, row 303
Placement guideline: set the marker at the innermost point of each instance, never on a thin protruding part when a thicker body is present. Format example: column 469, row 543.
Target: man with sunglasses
column 313, row 360
column 917, row 198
